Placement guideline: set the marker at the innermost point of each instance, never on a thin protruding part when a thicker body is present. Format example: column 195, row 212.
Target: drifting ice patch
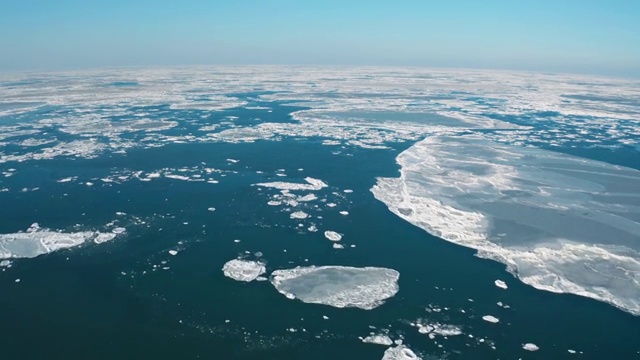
column 378, row 340
column 36, row 241
column 501, row 284
column 530, row 347
column 338, row 286
column 312, row 185
column 299, row 215
column 399, row 352
column 332, row 235
column 243, row 270
column 491, row 319
column 560, row 223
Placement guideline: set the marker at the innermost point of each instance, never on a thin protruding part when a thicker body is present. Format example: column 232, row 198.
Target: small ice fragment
column 332, row 235
column 118, row 230
column 299, row 215
column 325, row 317
column 490, row 318
column 530, row 347
column 345, row 213
column 348, row 191
column 173, row 252
column 501, row 284
column 274, row 203
column 338, row 246
column 17, row 280
column 570, row 351
column 236, row 240
column 379, row 339
column 399, row 352
column 211, row 209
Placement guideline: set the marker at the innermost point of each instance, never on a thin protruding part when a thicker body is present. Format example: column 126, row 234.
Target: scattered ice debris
column 530, row 347
column 332, row 235
column 312, row 228
column 243, row 270
column 501, row 284
column 437, row 329
column 338, row 286
column 299, row 215
column 399, row 352
column 312, row 185
column 173, row 252
column 211, row 209
column 308, row 197
column 378, row 339
column 491, row 319
column 5, row 263
column 343, row 212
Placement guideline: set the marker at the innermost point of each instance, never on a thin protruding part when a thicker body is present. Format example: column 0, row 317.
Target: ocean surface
column 314, row 213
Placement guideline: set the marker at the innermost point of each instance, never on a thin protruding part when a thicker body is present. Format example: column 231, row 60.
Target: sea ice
column 379, row 339
column 243, row 270
column 311, row 185
column 338, row 286
column 332, row 235
column 501, row 284
column 491, row 319
column 399, row 352
column 530, row 347
column 299, row 215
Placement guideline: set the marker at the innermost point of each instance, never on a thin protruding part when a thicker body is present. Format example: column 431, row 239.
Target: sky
column 581, row 36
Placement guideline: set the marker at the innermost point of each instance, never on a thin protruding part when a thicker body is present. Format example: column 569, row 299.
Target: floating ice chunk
column 104, row 237
column 312, row 185
column 211, row 209
column 17, row 280
column 299, row 215
column 530, row 347
column 312, row 228
column 399, row 352
column 501, row 284
column 345, row 213
column 338, row 286
column 338, row 246
column 233, row 161
column 243, row 270
column 347, row 191
column 5, row 263
column 379, row 339
column 308, row 197
column 570, row 351
column 173, row 252
column 118, row 230
column 274, row 203
column 332, row 205
column 177, row 177
column 68, row 179
column 332, row 235
column 491, row 319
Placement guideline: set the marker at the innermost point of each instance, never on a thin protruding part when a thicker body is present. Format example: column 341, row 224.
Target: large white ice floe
column 332, row 235
column 560, row 223
column 338, row 286
column 399, row 352
column 311, row 185
column 36, row 241
column 243, row 270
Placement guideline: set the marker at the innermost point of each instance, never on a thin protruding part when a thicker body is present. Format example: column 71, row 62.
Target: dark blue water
column 109, row 301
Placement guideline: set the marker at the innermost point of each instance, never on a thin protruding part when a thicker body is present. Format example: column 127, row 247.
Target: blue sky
column 585, row 36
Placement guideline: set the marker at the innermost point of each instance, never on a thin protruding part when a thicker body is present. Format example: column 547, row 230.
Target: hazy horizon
column 592, row 37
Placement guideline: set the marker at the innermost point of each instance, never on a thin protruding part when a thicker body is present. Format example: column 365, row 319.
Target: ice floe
column 400, row 352
column 530, row 347
column 243, row 270
column 338, row 286
column 501, row 284
column 311, row 185
column 332, row 235
column 559, row 223
column 379, row 339
column 37, row 241
column 299, row 215
column 491, row 319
